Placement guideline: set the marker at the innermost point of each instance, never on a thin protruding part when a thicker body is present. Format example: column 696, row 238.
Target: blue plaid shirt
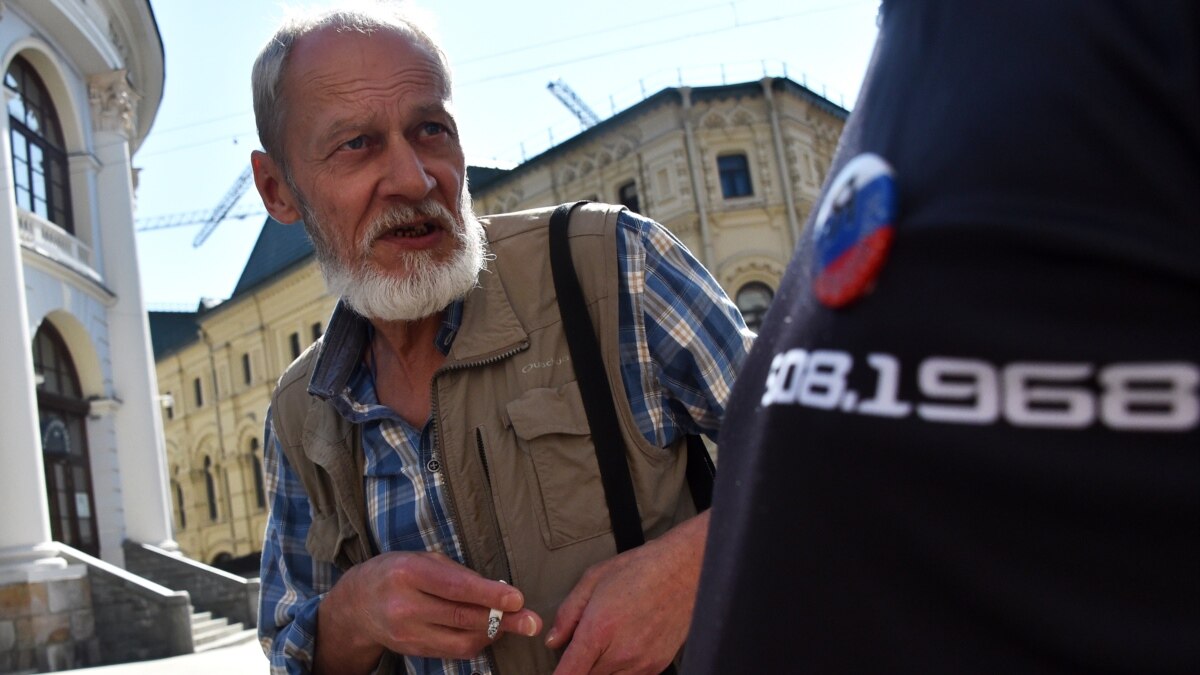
column 681, row 342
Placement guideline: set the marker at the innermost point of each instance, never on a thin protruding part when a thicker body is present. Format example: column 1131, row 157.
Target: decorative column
column 785, row 175
column 141, row 451
column 26, row 554
column 35, row 632
column 707, row 257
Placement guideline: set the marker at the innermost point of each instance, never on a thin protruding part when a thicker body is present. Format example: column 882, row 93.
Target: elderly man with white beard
column 436, row 501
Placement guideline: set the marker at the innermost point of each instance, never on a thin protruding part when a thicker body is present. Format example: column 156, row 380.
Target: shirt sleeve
column 293, row 583
column 682, row 339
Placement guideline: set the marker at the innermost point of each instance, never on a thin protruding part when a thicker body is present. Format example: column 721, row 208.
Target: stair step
column 214, row 632
column 202, row 626
column 235, row 638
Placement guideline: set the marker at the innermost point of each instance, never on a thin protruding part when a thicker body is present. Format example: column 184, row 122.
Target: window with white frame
column 39, row 157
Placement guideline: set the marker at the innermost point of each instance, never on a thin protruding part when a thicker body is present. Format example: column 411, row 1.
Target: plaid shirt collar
column 347, row 337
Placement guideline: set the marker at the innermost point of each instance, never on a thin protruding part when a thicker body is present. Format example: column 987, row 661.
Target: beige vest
column 522, row 483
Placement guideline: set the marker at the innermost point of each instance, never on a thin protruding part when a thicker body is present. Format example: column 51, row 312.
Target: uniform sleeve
column 293, row 584
column 682, row 340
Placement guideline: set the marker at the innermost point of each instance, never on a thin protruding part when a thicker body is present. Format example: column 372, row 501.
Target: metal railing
column 647, row 86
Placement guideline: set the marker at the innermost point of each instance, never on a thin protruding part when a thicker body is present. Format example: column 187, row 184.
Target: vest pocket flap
column 329, row 538
column 538, row 412
column 552, row 431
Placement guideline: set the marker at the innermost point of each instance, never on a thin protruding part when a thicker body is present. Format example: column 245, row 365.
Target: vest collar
column 489, row 325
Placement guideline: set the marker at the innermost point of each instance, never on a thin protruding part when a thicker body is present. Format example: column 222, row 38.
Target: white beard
column 427, row 287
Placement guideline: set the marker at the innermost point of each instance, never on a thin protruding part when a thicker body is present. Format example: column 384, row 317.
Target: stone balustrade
column 55, row 243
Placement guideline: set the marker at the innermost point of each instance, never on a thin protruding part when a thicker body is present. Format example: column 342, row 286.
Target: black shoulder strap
column 593, row 387
column 700, row 472
column 598, row 399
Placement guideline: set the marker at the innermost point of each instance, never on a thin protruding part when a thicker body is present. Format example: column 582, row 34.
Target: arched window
column 294, row 342
column 627, row 194
column 260, row 493
column 180, row 511
column 39, row 154
column 210, row 488
column 753, row 299
column 62, row 411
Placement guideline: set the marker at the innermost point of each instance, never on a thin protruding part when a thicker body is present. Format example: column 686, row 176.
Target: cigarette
column 494, row 617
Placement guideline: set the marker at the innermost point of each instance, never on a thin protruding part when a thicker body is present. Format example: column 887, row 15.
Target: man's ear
column 276, row 195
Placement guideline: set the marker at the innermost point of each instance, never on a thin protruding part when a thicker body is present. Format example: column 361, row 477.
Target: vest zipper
column 460, row 365
column 487, row 488
column 483, row 458
column 450, row 500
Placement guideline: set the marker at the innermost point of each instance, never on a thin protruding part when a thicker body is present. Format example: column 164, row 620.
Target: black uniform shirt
column 989, row 461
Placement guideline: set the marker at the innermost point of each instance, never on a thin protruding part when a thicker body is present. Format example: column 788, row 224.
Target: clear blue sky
column 503, row 55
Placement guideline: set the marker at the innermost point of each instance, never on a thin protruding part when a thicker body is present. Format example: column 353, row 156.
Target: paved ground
column 241, row 659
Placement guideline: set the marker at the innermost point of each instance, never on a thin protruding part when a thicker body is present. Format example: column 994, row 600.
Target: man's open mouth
column 413, row 231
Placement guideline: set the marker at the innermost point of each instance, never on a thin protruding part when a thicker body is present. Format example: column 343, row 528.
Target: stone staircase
column 224, row 606
column 209, row 632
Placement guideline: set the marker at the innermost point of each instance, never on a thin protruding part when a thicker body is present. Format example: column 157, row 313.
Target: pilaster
column 25, row 532
column 140, row 445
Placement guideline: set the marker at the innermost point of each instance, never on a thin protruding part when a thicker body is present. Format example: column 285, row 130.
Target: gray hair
column 266, row 78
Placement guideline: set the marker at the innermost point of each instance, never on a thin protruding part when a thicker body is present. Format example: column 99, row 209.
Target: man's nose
column 406, row 175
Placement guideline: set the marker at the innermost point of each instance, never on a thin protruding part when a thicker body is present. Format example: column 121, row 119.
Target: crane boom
column 567, row 96
column 223, row 208
column 187, row 218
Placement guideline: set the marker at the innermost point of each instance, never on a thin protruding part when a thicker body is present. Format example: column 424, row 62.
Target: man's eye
column 356, row 143
column 434, row 128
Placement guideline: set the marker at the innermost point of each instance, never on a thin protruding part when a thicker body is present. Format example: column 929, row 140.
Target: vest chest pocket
column 551, row 426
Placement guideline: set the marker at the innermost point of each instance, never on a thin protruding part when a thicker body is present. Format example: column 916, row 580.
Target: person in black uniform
column 968, row 436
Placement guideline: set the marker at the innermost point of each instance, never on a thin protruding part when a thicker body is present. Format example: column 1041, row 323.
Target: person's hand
column 631, row 613
column 417, row 604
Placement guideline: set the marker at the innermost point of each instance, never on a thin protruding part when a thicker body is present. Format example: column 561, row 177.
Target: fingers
column 426, row 604
column 432, row 626
column 571, row 610
column 462, row 599
column 592, row 653
column 629, row 614
column 579, row 658
column 441, row 577
column 469, row 617
column 525, row 622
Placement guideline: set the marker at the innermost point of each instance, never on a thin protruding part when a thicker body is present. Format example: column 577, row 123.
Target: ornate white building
column 82, row 446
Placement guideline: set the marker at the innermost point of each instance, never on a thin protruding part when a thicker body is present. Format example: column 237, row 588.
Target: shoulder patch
column 855, row 228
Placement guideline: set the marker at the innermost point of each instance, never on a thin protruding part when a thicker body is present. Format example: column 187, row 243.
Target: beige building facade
column 732, row 170
column 217, row 378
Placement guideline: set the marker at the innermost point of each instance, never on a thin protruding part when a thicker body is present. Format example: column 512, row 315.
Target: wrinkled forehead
column 332, row 53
